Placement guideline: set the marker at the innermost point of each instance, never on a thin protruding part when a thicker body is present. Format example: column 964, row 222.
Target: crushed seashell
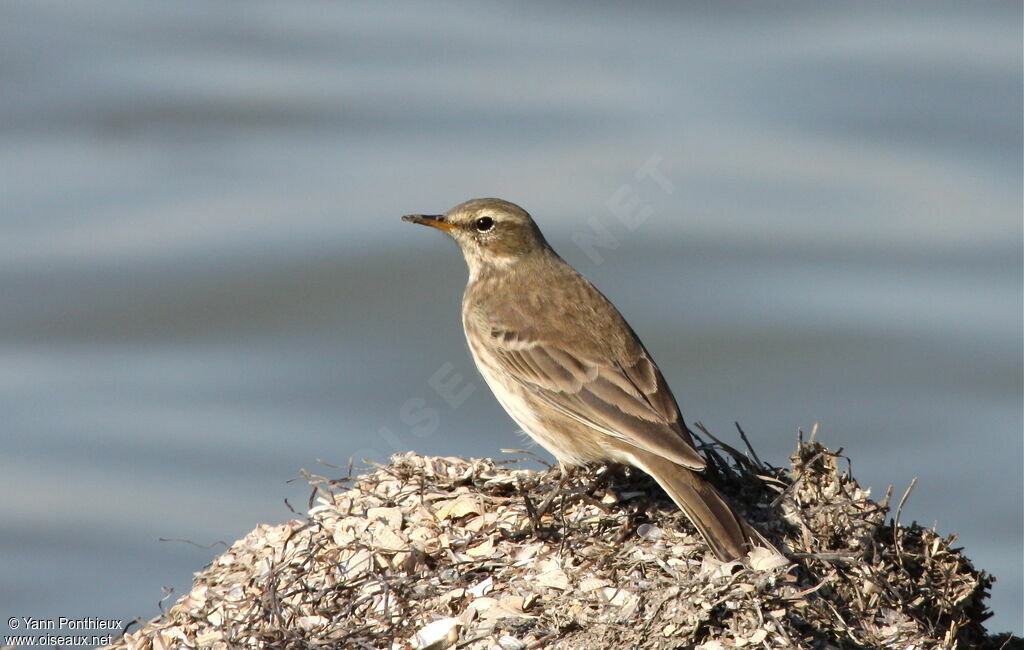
column 431, row 552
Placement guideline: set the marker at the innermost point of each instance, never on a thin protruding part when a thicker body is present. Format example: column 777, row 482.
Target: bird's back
column 553, row 302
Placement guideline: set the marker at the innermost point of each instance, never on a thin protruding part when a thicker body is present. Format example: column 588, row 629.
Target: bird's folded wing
column 627, row 399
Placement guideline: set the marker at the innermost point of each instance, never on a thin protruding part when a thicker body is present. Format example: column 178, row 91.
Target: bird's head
column 490, row 232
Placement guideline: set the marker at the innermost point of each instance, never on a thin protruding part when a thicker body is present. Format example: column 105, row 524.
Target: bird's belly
column 571, row 442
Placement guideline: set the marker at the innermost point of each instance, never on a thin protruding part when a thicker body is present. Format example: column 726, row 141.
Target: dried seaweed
column 430, row 552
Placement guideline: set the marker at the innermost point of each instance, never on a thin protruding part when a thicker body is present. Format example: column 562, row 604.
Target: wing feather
column 629, row 402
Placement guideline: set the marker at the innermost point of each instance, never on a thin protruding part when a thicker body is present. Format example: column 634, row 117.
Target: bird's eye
column 483, row 224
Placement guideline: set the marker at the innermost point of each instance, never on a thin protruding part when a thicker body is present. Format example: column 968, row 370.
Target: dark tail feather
column 728, row 535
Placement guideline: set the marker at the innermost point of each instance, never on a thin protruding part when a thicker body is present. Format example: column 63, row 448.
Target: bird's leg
column 598, row 480
column 566, row 474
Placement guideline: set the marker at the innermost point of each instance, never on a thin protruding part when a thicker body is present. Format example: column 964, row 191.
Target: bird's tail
column 728, row 535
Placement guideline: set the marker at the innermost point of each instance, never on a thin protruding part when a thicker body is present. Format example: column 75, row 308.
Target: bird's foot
column 567, row 472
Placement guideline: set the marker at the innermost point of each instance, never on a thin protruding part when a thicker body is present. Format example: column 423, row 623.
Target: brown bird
column 564, row 363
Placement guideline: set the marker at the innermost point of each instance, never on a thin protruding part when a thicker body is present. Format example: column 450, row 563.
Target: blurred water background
column 205, row 285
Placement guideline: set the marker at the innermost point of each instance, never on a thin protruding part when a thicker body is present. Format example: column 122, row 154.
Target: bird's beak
column 432, row 220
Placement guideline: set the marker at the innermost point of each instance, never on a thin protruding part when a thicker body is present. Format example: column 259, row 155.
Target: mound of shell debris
column 434, row 553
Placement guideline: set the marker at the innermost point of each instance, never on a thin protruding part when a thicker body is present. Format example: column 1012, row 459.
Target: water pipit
column 568, row 368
